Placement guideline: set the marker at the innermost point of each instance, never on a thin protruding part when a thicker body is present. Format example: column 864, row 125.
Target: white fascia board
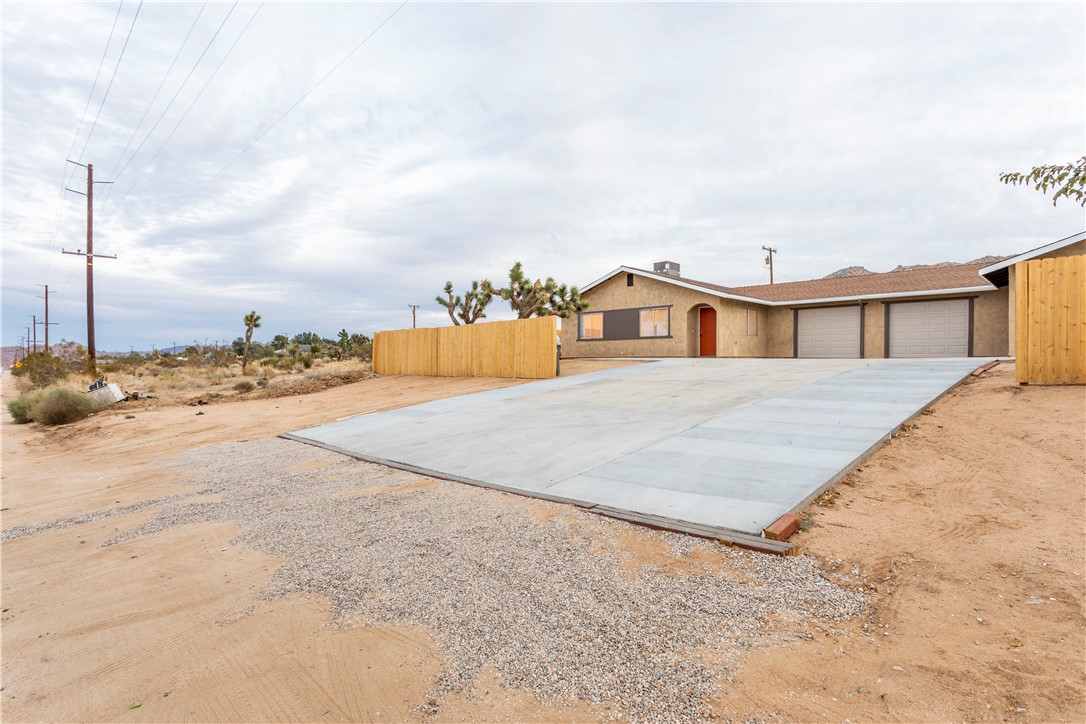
column 1027, row 255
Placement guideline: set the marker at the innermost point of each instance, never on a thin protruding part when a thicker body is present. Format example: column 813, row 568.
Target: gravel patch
column 544, row 600
column 22, row 531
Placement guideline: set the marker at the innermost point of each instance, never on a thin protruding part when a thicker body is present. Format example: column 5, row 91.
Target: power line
column 184, row 115
column 64, row 177
column 285, row 113
column 62, row 198
column 139, row 124
column 117, row 67
column 170, row 104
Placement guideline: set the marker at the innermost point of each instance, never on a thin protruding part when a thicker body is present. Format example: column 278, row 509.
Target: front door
column 707, row 332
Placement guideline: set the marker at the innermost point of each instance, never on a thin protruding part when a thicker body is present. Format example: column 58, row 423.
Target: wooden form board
column 524, row 348
column 1050, row 326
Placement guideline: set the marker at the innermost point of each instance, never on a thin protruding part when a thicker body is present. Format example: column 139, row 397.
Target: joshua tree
column 252, row 321
column 538, row 298
column 472, row 306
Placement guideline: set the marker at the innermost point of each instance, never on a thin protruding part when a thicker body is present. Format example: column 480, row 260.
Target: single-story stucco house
column 963, row 310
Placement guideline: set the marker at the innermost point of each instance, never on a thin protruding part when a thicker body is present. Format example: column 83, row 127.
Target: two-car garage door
column 914, row 329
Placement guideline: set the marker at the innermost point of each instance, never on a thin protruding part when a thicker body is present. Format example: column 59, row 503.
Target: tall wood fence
column 521, row 348
column 1050, row 326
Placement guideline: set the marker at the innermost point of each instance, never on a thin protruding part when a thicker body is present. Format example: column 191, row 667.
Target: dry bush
column 244, row 386
column 61, row 405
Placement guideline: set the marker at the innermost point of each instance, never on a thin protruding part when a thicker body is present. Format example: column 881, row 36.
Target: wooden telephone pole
column 413, row 308
column 769, row 261
column 46, row 323
column 89, row 254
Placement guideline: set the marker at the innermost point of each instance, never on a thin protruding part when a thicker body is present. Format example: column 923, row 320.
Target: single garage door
column 930, row 329
column 828, row 332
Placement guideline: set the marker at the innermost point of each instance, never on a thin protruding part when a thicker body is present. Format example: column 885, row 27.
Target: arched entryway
column 701, row 321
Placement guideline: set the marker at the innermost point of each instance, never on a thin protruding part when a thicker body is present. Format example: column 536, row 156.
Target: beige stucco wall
column 989, row 331
column 731, row 337
column 1011, row 305
column 614, row 294
column 779, row 338
column 775, row 324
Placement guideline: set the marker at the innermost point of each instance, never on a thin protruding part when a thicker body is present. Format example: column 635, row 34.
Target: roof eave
column 1027, row 255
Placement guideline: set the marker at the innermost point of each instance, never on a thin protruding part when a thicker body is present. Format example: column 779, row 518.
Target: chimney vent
column 666, row 267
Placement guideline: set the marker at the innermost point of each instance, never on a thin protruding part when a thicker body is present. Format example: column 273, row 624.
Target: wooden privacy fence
column 1050, row 320
column 521, row 348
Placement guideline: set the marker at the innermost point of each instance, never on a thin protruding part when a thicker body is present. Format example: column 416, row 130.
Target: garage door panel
column 828, row 333
column 929, row 329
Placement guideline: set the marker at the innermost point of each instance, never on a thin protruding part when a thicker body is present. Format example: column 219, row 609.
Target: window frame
column 653, row 310
column 581, row 326
column 748, row 311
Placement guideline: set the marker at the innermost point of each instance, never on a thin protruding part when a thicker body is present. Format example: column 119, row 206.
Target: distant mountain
column 848, row 271
column 852, row 271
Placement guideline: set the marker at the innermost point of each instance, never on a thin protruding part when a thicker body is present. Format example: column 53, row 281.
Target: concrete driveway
column 731, row 444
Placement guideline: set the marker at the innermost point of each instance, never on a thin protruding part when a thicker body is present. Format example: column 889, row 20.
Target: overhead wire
column 184, row 115
column 139, row 124
column 285, row 113
column 105, row 96
column 65, row 177
column 174, row 98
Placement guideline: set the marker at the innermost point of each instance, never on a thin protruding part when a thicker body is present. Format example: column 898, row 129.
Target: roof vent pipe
column 666, row 267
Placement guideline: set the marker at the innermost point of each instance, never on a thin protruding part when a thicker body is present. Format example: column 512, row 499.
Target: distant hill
column 852, row 271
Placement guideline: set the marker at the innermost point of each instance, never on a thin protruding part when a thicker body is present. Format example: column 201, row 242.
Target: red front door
column 707, row 332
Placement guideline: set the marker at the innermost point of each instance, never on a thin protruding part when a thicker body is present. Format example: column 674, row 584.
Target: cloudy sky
column 460, row 138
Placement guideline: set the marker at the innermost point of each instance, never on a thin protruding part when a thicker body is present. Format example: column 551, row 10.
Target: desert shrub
column 307, row 360
column 262, row 382
column 42, row 369
column 244, row 386
column 20, row 407
column 61, row 405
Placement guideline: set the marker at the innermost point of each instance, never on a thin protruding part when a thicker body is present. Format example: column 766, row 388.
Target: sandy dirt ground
column 966, row 531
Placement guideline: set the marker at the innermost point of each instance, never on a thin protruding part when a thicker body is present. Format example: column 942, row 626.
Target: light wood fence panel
column 520, row 348
column 1050, row 327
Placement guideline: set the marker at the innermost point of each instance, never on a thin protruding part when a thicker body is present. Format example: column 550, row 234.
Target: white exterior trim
column 891, row 295
column 790, row 302
column 1027, row 255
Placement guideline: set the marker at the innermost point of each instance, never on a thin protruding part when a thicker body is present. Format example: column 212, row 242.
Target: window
column 629, row 279
column 592, row 326
column 654, row 322
column 749, row 320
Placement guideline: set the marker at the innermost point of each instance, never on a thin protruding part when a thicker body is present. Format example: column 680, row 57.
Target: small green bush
column 307, row 361
column 20, row 408
column 61, row 405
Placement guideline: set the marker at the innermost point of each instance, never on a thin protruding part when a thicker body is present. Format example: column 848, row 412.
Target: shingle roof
column 934, row 279
column 961, row 276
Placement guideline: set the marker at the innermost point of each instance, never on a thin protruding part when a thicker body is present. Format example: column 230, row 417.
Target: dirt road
column 968, row 527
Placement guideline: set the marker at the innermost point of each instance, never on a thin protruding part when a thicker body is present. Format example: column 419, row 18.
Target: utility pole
column 46, row 323
column 413, row 308
column 769, row 261
column 34, row 319
column 89, row 254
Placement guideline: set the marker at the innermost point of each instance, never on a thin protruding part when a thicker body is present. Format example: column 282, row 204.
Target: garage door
column 829, row 332
column 930, row 329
